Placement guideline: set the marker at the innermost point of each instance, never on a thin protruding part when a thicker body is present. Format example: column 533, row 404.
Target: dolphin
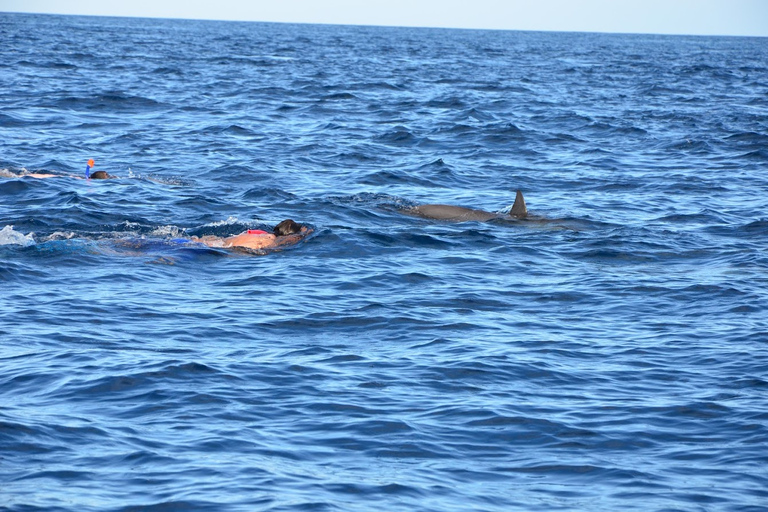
column 461, row 214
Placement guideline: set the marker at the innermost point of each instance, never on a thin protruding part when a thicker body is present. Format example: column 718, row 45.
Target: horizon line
column 436, row 27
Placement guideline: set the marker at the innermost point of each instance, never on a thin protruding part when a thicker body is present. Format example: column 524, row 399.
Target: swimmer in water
column 285, row 233
column 96, row 175
column 4, row 173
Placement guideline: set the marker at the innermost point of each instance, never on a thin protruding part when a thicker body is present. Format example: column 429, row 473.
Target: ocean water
column 610, row 355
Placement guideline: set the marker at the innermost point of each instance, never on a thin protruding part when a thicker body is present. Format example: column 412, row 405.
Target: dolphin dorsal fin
column 519, row 209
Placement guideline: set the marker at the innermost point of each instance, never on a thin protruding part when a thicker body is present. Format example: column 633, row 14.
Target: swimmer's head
column 287, row 227
column 101, row 175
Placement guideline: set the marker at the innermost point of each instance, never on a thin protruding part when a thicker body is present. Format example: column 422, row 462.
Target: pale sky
column 704, row 17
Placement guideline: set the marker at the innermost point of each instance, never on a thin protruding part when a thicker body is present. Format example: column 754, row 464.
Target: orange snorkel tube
column 88, row 169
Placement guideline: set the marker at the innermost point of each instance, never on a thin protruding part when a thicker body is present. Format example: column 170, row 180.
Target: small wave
column 758, row 227
column 10, row 237
column 247, row 61
column 267, row 194
column 446, row 103
column 760, row 155
column 356, row 156
column 61, row 65
column 690, row 145
column 382, row 178
column 60, row 235
column 754, row 137
column 607, row 129
column 178, row 181
column 339, row 96
column 436, row 164
column 238, row 131
column 167, row 231
column 459, row 129
column 758, row 101
column 503, row 134
column 164, row 70
column 658, row 90
column 479, row 115
column 227, row 227
column 279, row 58
column 400, row 136
column 10, row 121
column 376, row 86
column 114, row 102
column 371, row 200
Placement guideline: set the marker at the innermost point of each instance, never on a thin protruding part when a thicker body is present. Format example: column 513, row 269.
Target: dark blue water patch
column 14, row 272
column 758, row 227
column 505, row 133
column 339, row 96
column 11, row 121
column 110, row 102
column 15, row 187
column 760, row 155
column 387, row 176
column 399, row 136
column 263, row 194
column 688, row 145
column 165, row 70
column 748, row 138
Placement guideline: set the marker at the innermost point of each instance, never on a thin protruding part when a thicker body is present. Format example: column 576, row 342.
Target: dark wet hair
column 287, row 227
column 101, row 175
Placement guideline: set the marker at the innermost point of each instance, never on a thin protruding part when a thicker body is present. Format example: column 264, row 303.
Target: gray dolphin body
column 461, row 214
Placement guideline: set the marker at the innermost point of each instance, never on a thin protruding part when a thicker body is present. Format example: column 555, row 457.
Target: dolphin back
column 448, row 212
column 461, row 214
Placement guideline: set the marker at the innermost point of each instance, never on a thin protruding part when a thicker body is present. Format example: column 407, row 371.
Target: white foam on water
column 167, row 231
column 61, row 235
column 10, row 237
column 231, row 220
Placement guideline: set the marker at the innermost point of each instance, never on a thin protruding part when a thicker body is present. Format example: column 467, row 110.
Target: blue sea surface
column 609, row 354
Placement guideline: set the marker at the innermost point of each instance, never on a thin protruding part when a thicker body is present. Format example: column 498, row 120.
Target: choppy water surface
column 612, row 358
